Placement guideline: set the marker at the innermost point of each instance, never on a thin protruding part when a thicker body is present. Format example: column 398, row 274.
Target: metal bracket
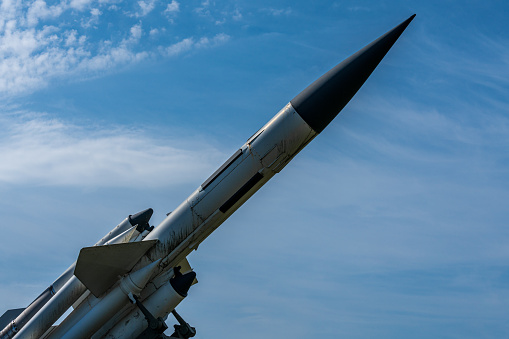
column 156, row 327
column 184, row 330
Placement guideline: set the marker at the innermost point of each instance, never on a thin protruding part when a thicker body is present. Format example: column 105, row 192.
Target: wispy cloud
column 203, row 9
column 171, row 10
column 187, row 44
column 173, row 7
column 237, row 15
column 40, row 10
column 277, row 11
column 146, row 6
column 93, row 20
column 470, row 65
column 43, row 151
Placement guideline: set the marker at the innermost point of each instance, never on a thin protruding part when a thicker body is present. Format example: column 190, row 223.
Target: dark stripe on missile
column 254, row 137
column 241, row 192
column 221, row 169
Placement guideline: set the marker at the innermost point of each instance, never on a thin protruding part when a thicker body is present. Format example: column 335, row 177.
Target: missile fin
column 99, row 267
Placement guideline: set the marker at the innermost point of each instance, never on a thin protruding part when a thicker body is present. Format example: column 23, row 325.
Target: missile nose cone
column 321, row 101
column 181, row 283
column 141, row 277
column 141, row 218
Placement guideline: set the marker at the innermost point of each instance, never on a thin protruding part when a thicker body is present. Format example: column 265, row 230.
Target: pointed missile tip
column 321, row 101
column 141, row 277
column 408, row 21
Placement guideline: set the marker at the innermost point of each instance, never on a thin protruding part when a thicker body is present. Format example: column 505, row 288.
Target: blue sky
column 390, row 224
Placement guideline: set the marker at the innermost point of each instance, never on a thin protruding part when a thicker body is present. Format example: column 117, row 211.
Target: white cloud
column 39, row 43
column 70, row 37
column 189, row 43
column 39, row 10
column 220, row 22
column 153, row 32
column 172, row 7
column 237, row 16
column 113, row 57
column 145, row 7
column 79, row 4
column 216, row 40
column 136, row 32
column 179, row 47
column 204, row 8
column 93, row 20
column 45, row 151
column 277, row 11
column 95, row 12
column 220, row 38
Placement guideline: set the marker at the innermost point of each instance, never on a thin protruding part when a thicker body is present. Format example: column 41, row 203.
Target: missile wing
column 133, row 278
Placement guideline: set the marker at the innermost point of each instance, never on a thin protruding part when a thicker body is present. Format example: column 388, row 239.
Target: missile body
column 265, row 154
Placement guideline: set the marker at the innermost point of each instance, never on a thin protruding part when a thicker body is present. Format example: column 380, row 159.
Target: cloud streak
column 43, row 151
column 188, row 44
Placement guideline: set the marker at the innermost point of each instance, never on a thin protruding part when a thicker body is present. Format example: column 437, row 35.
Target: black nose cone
column 321, row 101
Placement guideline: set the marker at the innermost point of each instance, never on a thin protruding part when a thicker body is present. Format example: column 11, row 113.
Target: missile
column 110, row 277
column 66, row 290
column 264, row 154
column 159, row 304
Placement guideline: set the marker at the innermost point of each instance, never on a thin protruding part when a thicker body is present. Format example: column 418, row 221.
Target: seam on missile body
column 221, row 169
column 241, row 192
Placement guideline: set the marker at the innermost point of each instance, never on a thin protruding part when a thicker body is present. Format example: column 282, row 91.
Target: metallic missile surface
column 130, row 278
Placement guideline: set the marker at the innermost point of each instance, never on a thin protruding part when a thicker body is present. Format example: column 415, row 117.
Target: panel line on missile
column 241, row 192
column 221, row 169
